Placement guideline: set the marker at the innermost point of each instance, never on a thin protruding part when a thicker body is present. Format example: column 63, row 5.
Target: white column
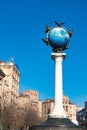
column 58, row 111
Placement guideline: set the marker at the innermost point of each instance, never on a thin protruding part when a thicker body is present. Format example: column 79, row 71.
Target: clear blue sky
column 22, row 25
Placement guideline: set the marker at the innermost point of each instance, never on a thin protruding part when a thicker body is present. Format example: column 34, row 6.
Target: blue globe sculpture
column 58, row 38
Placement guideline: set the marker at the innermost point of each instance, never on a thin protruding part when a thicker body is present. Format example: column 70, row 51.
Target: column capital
column 54, row 55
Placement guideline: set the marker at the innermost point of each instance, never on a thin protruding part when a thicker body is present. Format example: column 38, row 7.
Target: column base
column 57, row 124
column 58, row 113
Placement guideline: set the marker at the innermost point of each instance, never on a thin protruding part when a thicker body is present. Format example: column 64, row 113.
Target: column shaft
column 58, row 111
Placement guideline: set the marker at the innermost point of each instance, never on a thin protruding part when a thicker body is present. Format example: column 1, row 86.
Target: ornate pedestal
column 57, row 124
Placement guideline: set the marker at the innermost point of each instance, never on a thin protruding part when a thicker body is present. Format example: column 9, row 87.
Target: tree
column 33, row 117
column 17, row 117
column 6, row 118
column 28, row 117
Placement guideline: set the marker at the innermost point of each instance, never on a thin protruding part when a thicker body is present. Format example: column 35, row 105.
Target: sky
column 22, row 26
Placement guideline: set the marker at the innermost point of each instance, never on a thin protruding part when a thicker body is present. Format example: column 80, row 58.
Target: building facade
column 72, row 112
column 30, row 98
column 10, row 85
column 2, row 75
column 82, row 116
column 86, row 104
column 78, row 108
column 47, row 107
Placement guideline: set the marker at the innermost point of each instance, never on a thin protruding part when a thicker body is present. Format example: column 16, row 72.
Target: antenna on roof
column 11, row 59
